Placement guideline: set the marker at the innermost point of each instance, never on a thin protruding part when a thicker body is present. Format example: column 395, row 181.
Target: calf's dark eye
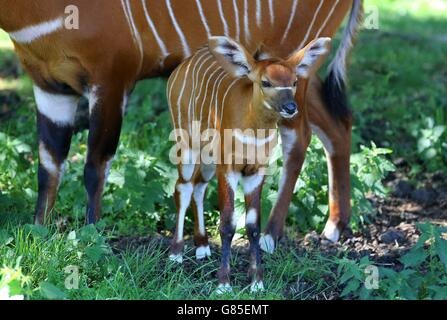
column 266, row 84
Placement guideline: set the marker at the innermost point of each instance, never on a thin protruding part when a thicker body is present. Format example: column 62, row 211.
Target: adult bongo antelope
column 122, row 41
column 223, row 88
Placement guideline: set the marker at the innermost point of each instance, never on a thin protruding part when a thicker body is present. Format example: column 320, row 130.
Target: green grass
column 398, row 93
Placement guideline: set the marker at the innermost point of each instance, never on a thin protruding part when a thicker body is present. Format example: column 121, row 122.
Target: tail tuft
column 335, row 83
column 335, row 96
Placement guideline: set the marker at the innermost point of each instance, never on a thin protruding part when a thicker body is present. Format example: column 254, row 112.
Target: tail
column 335, row 84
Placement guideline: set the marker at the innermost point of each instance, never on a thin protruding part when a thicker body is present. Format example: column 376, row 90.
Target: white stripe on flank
column 210, row 105
column 31, row 33
column 216, row 102
column 236, row 15
column 225, row 97
column 179, row 100
column 253, row 140
column 171, row 86
column 258, row 12
column 206, row 89
column 246, row 22
column 194, row 77
column 133, row 28
column 186, row 49
column 311, row 25
column 203, row 18
column 291, row 19
column 327, row 19
column 222, row 17
column 198, row 74
column 160, row 42
column 272, row 12
column 251, row 217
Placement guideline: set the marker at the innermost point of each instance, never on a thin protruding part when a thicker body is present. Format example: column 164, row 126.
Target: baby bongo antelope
column 220, row 93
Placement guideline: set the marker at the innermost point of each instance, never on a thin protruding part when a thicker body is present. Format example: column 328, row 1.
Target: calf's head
column 275, row 80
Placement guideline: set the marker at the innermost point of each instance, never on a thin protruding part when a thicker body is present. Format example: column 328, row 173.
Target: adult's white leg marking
column 185, row 190
column 291, row 19
column 272, row 12
column 233, row 180
column 252, row 217
column 133, row 29
column 331, row 232
column 329, row 16
column 203, row 18
column 251, row 183
column 267, row 243
column 246, row 22
column 199, row 194
column 124, row 103
column 258, row 13
column 222, row 17
column 47, row 161
column 328, row 146
column 107, row 169
column 60, row 109
column 306, row 38
column 236, row 15
column 289, row 139
column 32, row 33
column 93, row 98
column 186, row 49
column 160, row 42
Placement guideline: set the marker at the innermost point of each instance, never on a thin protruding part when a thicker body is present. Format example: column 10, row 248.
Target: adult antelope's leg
column 107, row 104
column 335, row 135
column 295, row 136
column 227, row 185
column 55, row 119
column 253, row 190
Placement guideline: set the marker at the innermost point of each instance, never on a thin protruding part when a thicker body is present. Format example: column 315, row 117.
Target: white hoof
column 178, row 258
column 267, row 243
column 257, row 286
column 224, row 289
column 331, row 232
column 203, row 252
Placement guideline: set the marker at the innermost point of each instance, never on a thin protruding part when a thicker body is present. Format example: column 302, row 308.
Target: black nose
column 290, row 108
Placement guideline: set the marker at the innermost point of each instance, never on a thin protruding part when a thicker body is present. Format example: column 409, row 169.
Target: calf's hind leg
column 200, row 234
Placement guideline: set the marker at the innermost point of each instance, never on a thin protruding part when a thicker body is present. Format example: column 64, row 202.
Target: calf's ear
column 309, row 59
column 232, row 56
